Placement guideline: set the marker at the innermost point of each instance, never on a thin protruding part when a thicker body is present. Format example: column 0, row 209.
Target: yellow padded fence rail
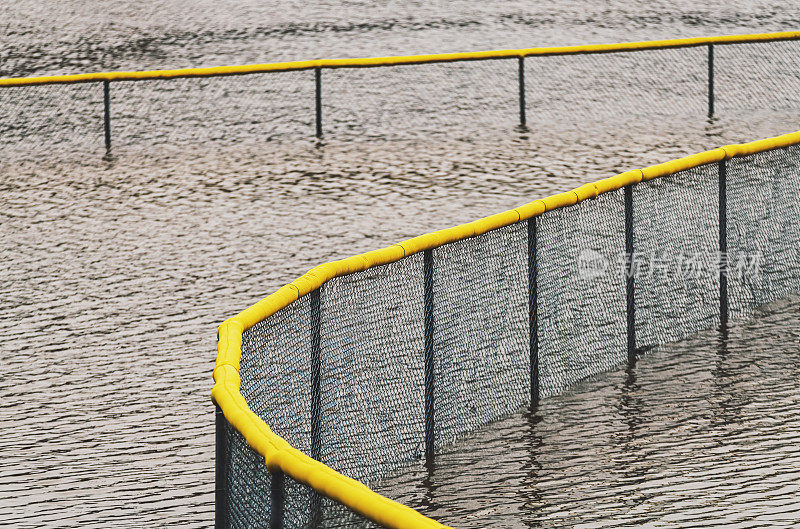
column 399, row 60
column 278, row 454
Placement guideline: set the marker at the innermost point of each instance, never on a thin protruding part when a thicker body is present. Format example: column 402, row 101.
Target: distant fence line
column 318, row 65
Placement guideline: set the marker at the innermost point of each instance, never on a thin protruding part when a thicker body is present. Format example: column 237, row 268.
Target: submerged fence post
column 220, row 471
column 711, row 80
column 316, row 382
column 318, row 99
column 427, row 259
column 723, row 244
column 521, row 77
column 316, row 397
column 107, row 114
column 533, row 324
column 629, row 270
column 277, row 498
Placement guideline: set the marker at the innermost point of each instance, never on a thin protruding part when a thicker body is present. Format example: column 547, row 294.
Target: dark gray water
column 701, row 433
column 116, row 271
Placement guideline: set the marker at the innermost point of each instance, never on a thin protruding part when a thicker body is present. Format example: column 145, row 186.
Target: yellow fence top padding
column 277, row 452
column 278, row 455
column 398, row 60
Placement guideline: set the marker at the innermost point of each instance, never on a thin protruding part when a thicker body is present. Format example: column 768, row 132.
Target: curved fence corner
column 384, row 359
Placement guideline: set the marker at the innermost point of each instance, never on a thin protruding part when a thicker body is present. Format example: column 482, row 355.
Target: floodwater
column 117, row 269
column 701, row 433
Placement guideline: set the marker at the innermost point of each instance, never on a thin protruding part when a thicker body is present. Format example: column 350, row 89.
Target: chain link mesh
column 676, row 255
column 757, row 90
column 763, row 228
column 275, row 376
column 242, row 109
column 324, row 514
column 480, row 296
column 372, row 369
column 583, row 91
column 275, row 370
column 581, row 304
column 771, row 78
column 372, row 333
column 37, row 121
column 248, row 483
column 454, row 99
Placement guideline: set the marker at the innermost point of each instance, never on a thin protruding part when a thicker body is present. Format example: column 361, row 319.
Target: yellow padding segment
column 682, row 164
column 229, row 343
column 619, row 181
column 745, row 149
column 530, row 210
column 397, row 60
column 494, row 222
column 560, row 200
column 423, row 242
column 355, row 495
column 586, row 191
column 269, row 305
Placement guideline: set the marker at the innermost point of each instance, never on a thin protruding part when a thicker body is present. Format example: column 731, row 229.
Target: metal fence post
column 429, row 359
column 316, row 397
column 723, row 244
column 629, row 272
column 221, row 471
column 277, row 500
column 318, row 99
column 711, row 80
column 533, row 324
column 107, row 114
column 316, row 380
column 521, row 78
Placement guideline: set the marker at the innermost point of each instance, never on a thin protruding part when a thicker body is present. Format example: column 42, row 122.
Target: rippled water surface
column 698, row 433
column 116, row 270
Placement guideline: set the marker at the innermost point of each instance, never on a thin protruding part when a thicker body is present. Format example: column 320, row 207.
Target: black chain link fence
column 375, row 328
